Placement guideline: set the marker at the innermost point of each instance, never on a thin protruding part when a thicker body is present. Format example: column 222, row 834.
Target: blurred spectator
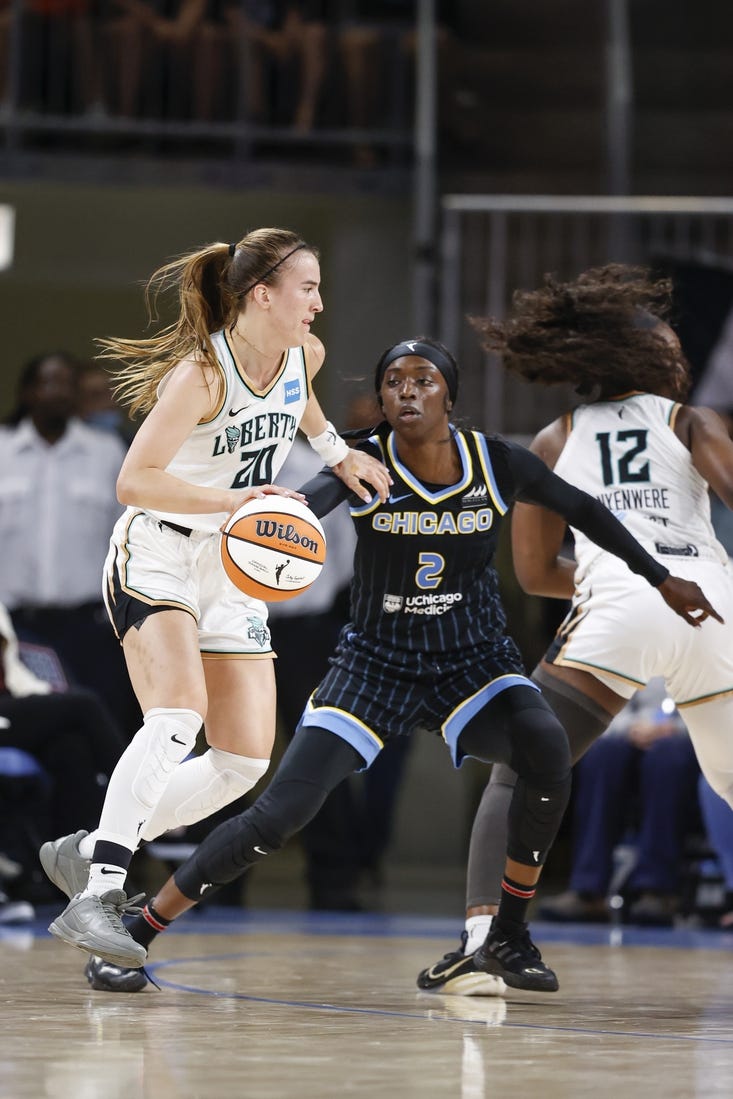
column 640, row 775
column 76, row 745
column 97, row 406
column 61, row 57
column 718, row 818
column 58, row 505
column 375, row 40
column 279, row 36
column 165, row 57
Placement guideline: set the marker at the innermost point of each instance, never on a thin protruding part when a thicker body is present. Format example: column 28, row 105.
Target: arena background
column 554, row 99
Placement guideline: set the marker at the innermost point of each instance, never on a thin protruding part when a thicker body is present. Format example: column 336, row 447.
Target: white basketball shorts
column 620, row 629
column 152, row 567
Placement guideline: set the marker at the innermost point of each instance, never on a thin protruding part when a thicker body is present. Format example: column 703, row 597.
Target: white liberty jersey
column 626, row 454
column 248, row 438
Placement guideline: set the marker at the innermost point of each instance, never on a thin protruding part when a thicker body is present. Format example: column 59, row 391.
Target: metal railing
column 494, row 244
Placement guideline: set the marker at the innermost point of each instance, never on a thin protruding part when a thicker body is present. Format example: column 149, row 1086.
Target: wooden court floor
column 282, row 1005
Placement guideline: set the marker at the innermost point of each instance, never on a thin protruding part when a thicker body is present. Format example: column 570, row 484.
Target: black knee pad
column 542, row 791
column 535, row 815
column 313, row 764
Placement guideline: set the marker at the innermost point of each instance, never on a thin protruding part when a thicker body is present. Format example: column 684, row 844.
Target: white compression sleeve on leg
column 201, row 786
column 143, row 772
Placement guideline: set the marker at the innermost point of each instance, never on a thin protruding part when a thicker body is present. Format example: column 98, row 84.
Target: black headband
column 275, row 266
column 425, row 351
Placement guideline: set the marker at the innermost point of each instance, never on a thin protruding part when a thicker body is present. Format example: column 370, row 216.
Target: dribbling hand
column 687, row 600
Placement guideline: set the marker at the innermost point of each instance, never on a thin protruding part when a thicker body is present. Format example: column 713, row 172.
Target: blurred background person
column 74, row 744
column 718, row 818
column 636, row 783
column 282, row 58
column 58, row 504
column 62, row 58
column 162, row 57
column 97, row 405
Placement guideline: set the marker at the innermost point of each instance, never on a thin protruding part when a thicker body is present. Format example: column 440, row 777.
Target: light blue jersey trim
column 454, row 725
column 348, row 727
column 501, row 506
column 443, row 493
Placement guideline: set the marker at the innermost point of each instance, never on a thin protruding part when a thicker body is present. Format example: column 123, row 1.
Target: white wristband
column 329, row 446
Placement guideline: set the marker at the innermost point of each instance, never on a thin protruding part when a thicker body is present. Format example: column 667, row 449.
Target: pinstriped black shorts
column 394, row 692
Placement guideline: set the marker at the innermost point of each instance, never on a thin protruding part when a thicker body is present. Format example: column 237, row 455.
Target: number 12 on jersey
column 623, row 448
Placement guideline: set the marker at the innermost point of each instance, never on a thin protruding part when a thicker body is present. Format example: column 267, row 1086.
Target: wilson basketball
column 272, row 549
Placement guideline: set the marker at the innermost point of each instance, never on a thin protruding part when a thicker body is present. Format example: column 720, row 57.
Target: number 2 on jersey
column 430, row 566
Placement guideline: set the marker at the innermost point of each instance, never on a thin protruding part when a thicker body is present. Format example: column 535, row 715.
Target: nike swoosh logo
column 444, row 973
column 204, row 887
column 237, row 411
column 104, row 870
column 260, row 851
column 176, row 740
column 397, row 499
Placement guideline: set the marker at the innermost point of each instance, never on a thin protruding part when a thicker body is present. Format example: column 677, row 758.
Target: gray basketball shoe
column 64, row 865
column 95, row 924
column 106, row 977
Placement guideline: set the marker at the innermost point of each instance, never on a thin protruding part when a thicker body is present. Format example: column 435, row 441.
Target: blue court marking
column 221, row 920
column 341, row 1009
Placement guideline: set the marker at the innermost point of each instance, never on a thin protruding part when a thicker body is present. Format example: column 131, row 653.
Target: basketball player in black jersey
column 426, row 647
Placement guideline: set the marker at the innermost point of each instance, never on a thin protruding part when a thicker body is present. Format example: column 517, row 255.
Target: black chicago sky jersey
column 423, row 569
column 424, row 576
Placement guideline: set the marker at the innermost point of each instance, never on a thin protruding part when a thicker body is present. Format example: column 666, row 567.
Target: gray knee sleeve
column 582, row 718
column 584, row 721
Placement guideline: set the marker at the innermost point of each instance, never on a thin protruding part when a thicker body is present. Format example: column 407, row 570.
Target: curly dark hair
column 599, row 332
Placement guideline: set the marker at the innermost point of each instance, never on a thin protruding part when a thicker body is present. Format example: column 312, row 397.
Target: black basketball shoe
column 456, row 975
column 514, row 957
column 108, row 977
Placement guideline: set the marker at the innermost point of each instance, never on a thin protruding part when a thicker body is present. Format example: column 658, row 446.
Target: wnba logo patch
column 392, row 603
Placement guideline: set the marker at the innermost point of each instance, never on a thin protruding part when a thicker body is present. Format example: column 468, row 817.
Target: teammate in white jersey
column 225, row 388
column 650, row 459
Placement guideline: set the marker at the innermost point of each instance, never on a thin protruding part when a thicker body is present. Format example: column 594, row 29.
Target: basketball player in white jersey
column 225, row 389
column 650, row 459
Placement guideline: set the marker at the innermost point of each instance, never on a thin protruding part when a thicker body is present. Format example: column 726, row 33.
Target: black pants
column 76, row 742
column 517, row 727
column 91, row 656
column 351, row 830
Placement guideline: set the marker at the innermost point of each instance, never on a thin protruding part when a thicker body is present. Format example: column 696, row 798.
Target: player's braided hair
column 599, row 332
